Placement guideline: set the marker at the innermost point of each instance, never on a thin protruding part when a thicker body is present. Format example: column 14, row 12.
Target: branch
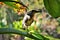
column 20, row 3
column 14, row 1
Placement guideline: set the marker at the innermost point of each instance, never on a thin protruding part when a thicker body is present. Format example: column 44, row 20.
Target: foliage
column 17, row 7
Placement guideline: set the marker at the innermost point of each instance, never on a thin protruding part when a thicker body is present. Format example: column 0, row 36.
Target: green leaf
column 14, row 31
column 39, row 36
column 11, row 4
column 5, row 0
column 53, row 7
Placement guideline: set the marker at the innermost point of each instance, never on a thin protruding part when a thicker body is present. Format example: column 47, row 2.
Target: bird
column 29, row 18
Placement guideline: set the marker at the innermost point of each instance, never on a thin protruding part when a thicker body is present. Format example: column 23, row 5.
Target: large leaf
column 11, row 4
column 9, row 30
column 53, row 7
